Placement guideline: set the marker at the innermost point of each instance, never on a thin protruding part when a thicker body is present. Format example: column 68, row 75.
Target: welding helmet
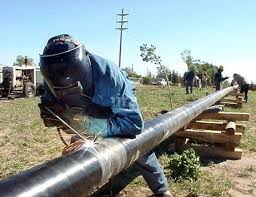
column 65, row 65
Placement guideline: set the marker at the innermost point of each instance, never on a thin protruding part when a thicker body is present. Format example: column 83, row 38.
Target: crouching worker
column 75, row 78
column 244, row 86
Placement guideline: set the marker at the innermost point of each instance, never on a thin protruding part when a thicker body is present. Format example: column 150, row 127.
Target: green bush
column 185, row 166
column 146, row 80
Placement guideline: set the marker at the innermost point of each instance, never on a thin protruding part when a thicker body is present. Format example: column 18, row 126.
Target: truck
column 161, row 81
column 25, row 80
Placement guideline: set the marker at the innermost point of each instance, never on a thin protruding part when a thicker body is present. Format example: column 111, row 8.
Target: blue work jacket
column 113, row 89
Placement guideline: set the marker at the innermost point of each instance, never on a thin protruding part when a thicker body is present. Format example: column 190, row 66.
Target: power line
column 121, row 28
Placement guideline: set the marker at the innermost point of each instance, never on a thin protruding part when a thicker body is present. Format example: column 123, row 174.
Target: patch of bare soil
column 135, row 192
column 241, row 173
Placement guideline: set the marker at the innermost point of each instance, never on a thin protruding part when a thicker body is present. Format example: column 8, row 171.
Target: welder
column 77, row 79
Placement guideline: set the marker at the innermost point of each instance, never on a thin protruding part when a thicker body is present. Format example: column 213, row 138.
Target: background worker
column 205, row 79
column 219, row 78
column 75, row 78
column 244, row 86
column 189, row 79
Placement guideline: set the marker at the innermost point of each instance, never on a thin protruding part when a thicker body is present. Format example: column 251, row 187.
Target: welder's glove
column 101, row 127
column 96, row 126
column 97, row 111
column 74, row 117
column 49, row 119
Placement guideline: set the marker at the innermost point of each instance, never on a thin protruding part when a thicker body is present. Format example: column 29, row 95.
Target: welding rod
column 66, row 124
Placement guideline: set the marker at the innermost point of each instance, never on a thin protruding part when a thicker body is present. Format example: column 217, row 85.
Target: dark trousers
column 189, row 84
column 245, row 89
column 217, row 86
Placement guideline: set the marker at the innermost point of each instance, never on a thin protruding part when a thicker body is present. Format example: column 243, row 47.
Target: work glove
column 96, row 126
column 49, row 119
column 97, row 111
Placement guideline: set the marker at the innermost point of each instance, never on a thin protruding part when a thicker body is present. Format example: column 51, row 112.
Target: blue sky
column 217, row 31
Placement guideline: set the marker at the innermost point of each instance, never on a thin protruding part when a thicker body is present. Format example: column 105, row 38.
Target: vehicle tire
column 40, row 90
column 5, row 93
column 29, row 90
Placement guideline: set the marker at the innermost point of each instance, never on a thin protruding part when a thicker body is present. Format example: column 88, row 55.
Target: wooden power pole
column 121, row 28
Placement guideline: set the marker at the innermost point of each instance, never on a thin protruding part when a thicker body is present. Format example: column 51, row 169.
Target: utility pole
column 121, row 28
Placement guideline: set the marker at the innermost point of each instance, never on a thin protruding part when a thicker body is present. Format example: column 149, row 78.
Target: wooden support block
column 231, row 116
column 236, row 94
column 210, row 136
column 230, row 146
column 179, row 144
column 230, row 128
column 216, row 152
column 239, row 100
column 231, row 104
column 210, row 125
column 232, row 100
column 230, row 131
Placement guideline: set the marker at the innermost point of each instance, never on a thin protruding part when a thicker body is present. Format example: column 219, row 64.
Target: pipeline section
column 82, row 172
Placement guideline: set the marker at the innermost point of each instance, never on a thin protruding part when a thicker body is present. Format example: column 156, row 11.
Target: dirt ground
column 242, row 174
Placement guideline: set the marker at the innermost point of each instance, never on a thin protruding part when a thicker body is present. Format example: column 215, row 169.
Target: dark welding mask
column 66, row 68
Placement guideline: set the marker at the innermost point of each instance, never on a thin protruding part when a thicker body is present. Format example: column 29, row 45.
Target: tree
column 131, row 73
column 187, row 57
column 24, row 60
column 162, row 71
column 148, row 54
column 199, row 66
column 175, row 77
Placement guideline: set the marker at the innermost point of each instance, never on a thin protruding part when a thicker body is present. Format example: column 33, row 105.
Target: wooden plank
column 237, row 99
column 231, row 116
column 230, row 146
column 232, row 100
column 236, row 94
column 210, row 136
column 211, row 125
column 215, row 152
column 231, row 104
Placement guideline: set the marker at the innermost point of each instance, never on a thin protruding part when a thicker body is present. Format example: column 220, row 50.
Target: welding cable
column 61, row 137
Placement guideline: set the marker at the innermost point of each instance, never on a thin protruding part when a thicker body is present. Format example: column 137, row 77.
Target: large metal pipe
column 80, row 173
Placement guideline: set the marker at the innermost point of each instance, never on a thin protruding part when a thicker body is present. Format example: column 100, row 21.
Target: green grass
column 25, row 142
column 153, row 99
